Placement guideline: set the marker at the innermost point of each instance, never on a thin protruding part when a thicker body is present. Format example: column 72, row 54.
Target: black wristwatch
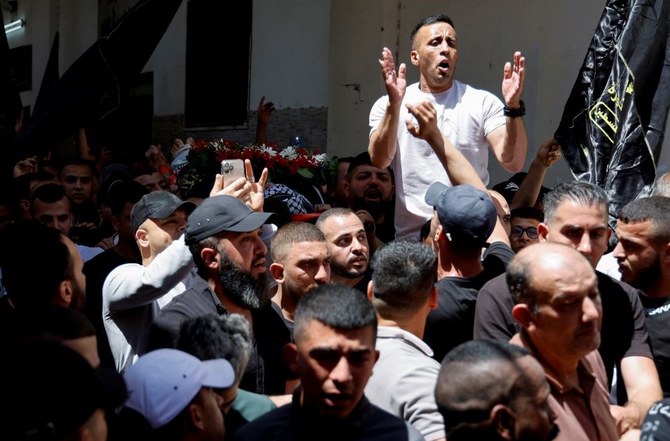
column 515, row 113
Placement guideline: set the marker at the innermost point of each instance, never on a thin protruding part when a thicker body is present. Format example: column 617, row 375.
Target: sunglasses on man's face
column 517, row 232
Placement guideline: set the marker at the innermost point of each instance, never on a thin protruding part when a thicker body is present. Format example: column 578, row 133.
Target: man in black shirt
column 643, row 230
column 333, row 355
column 466, row 220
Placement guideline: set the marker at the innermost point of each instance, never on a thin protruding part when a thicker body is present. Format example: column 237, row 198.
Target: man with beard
column 58, row 280
column 643, row 254
column 370, row 188
column 490, row 390
column 300, row 262
column 348, row 246
column 224, row 237
column 557, row 303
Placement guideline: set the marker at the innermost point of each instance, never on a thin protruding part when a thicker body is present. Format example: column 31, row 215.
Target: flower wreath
column 293, row 166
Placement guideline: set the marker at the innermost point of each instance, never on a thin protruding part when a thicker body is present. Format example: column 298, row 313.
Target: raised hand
column 245, row 189
column 425, row 126
column 265, row 111
column 514, row 75
column 395, row 81
column 549, row 152
column 256, row 188
column 25, row 166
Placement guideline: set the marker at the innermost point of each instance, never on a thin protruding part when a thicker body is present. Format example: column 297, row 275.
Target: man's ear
column 196, row 418
column 290, row 353
column 439, row 234
column 414, row 57
column 65, row 293
column 277, row 272
column 542, row 231
column 142, row 238
column 503, row 420
column 433, row 299
column 208, row 256
column 371, row 290
column 115, row 222
column 665, row 254
column 522, row 314
column 25, row 205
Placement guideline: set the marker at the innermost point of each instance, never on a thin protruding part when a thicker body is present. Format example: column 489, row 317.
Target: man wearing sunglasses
column 523, row 222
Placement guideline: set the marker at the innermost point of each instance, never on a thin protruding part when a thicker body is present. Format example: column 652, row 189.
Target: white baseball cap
column 163, row 382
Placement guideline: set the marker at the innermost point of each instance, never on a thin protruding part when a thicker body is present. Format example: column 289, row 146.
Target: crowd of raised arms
column 401, row 297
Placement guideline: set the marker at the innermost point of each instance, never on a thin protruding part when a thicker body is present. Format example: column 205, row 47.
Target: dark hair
column 56, row 322
column 30, row 282
column 120, row 193
column 337, row 306
column 474, row 377
column 291, row 234
column 142, row 169
column 518, row 276
column 425, row 230
column 48, row 193
column 655, row 209
column 432, row 19
column 195, row 249
column 403, row 275
column 21, row 184
column 361, row 159
column 527, row 213
column 579, row 192
column 77, row 160
column 333, row 212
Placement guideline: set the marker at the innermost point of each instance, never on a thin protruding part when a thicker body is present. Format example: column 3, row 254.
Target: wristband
column 515, row 113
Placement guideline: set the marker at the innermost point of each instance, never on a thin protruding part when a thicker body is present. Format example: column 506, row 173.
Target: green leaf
column 305, row 173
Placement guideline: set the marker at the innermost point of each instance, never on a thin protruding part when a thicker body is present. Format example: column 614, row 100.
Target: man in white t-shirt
column 471, row 119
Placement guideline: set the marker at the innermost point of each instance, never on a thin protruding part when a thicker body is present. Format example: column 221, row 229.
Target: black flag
column 96, row 83
column 51, row 76
column 613, row 124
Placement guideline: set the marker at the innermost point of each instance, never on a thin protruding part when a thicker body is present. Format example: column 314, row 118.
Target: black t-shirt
column 451, row 323
column 657, row 312
column 623, row 332
column 266, row 372
column 292, row 422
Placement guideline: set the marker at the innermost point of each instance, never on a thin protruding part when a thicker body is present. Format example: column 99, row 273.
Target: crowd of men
column 418, row 304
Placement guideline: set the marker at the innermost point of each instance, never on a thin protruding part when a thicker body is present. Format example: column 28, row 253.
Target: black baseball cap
column 157, row 205
column 222, row 213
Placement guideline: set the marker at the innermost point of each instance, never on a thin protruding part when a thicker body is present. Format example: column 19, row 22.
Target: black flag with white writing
column 613, row 124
